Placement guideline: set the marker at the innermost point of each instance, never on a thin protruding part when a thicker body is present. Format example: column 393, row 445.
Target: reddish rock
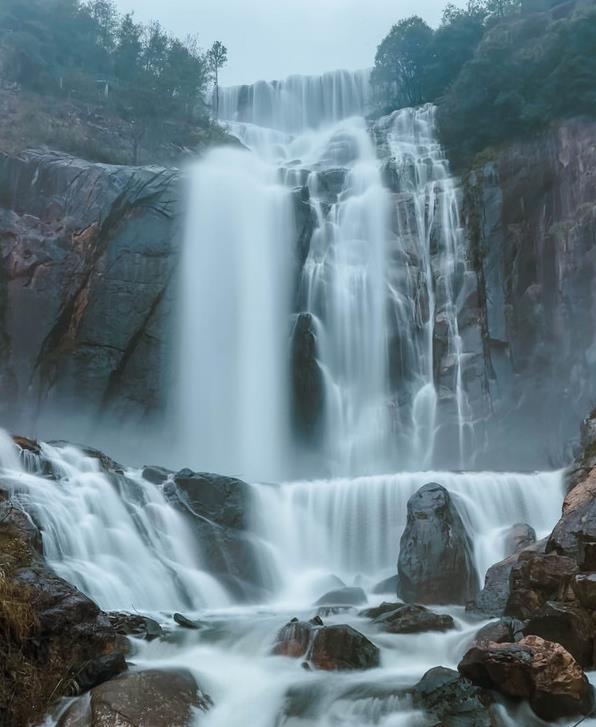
column 534, row 669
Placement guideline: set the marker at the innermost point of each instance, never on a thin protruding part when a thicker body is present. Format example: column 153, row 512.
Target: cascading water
column 381, row 280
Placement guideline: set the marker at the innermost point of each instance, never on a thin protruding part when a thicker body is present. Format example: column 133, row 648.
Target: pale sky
column 270, row 39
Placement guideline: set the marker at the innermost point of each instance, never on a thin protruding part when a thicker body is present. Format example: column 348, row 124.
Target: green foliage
column 86, row 50
column 526, row 73
column 217, row 57
column 401, row 62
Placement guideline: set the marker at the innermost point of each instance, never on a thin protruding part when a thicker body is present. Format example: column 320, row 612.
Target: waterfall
column 319, row 531
column 298, row 103
column 112, row 536
column 234, row 313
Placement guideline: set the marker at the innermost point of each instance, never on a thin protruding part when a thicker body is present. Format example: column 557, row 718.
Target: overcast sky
column 269, row 39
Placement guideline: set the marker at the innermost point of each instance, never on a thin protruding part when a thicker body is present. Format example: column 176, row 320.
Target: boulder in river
column 134, row 624
column 348, row 596
column 435, row 562
column 155, row 698
column 505, row 630
column 389, row 585
column 401, row 618
column 330, row 648
column 452, row 700
column 540, row 671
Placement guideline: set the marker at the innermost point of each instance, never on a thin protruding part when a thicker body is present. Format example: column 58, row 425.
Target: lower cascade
column 118, row 536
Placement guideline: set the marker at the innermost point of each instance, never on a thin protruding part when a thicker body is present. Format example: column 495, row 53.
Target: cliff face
column 531, row 218
column 87, row 257
column 88, row 254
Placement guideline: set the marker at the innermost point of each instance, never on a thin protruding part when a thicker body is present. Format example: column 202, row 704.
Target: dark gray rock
column 410, row 619
column 389, row 585
column 308, row 391
column 435, row 562
column 452, row 700
column 133, row 624
column 571, row 627
column 348, row 596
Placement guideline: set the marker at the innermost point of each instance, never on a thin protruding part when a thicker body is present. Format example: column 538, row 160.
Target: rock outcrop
column 435, row 554
column 534, row 669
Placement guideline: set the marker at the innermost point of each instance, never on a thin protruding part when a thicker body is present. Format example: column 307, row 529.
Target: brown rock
column 155, row 698
column 537, row 578
column 520, row 536
column 541, row 671
column 505, row 630
column 410, row 619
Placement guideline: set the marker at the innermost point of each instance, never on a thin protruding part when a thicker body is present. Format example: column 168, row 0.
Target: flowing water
column 381, row 278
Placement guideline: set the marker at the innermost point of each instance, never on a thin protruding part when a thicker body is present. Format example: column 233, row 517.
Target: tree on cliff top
column 217, row 57
column 401, row 61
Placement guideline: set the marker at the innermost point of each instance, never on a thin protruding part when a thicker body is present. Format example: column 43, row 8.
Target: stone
column 519, row 536
column 156, row 698
column 492, row 599
column 584, row 587
column 185, row 622
column 99, row 670
column 410, row 619
column 348, row 596
column 452, row 700
column 571, row 627
column 537, row 578
column 505, row 630
column 435, row 562
column 376, row 611
column 534, row 669
column 133, row 624
column 389, row 585
column 329, row 648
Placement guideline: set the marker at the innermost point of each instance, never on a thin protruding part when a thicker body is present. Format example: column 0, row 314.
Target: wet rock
column 133, row 624
column 534, row 669
column 571, row 627
column 584, row 587
column 185, row 622
column 389, row 585
column 308, row 389
column 348, row 596
column 452, row 700
column 99, row 670
column 505, row 630
column 329, row 648
column 492, row 599
column 156, row 475
column 215, row 508
column 342, row 648
column 537, row 578
column 410, row 619
column 156, row 698
column 519, row 536
column 377, row 611
column 435, row 562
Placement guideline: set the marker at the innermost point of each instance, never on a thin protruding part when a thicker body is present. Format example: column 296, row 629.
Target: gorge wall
column 88, row 257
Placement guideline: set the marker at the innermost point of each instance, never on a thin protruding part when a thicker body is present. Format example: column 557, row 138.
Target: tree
column 127, row 54
column 401, row 62
column 217, row 57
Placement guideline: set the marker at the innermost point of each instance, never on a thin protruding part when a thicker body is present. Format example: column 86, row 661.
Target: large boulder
column 452, row 700
column 215, row 508
column 503, row 631
column 329, row 648
column 435, row 562
column 534, row 669
column 156, row 698
column 536, row 578
column 571, row 627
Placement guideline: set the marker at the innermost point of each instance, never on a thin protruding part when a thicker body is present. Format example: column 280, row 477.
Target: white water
column 235, row 306
column 381, row 265
column 298, row 102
